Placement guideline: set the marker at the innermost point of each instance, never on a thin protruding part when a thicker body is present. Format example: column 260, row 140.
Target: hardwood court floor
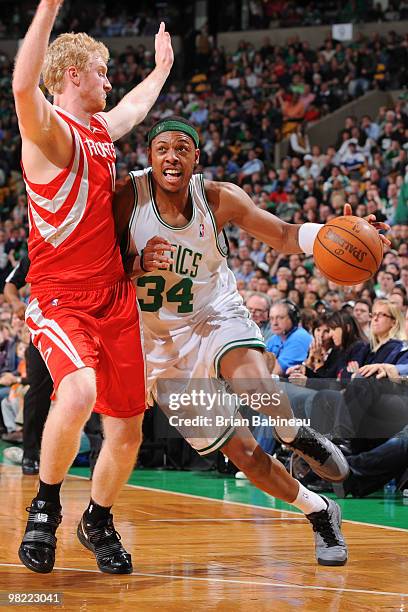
column 192, row 553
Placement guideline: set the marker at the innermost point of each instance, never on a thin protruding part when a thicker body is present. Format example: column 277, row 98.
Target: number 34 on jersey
column 161, row 288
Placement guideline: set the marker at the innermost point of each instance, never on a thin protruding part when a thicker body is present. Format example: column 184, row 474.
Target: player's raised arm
column 39, row 123
column 133, row 108
column 233, row 205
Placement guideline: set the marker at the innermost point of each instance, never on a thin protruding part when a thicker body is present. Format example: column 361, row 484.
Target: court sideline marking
column 228, row 580
column 280, row 585
column 232, row 503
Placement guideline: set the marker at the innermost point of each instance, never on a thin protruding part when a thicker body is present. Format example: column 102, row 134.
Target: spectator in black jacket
column 37, row 399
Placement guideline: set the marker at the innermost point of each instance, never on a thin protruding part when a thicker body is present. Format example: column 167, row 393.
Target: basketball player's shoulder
column 225, row 195
column 219, row 190
column 98, row 122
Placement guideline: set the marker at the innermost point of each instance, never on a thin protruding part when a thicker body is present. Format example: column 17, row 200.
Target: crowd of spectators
column 104, row 18
column 99, row 18
column 242, row 104
column 289, row 13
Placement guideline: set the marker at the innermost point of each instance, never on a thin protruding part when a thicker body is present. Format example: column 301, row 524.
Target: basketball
column 348, row 250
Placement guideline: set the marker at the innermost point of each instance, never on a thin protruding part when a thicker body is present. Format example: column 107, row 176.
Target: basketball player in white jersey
column 82, row 313
column 197, row 332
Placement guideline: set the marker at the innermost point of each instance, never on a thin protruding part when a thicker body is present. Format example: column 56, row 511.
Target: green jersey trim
column 218, row 443
column 220, row 249
column 243, row 343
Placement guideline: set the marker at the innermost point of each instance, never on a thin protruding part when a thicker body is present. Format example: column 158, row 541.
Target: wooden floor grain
column 195, row 554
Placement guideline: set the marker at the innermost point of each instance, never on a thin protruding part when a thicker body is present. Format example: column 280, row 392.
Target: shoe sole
column 331, row 563
column 32, row 567
column 341, row 468
column 89, row 546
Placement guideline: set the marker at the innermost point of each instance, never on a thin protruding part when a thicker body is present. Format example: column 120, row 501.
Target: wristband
column 141, row 261
column 307, row 236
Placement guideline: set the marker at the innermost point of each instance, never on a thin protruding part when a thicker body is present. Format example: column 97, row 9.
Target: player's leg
column 113, row 467
column 122, row 440
column 36, row 407
column 122, row 402
column 268, row 474
column 74, row 401
column 245, row 371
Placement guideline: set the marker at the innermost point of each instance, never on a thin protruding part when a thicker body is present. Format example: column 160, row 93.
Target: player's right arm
column 45, row 136
column 152, row 256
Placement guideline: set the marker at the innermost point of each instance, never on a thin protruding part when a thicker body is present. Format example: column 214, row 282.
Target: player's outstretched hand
column 164, row 51
column 153, row 255
column 372, row 221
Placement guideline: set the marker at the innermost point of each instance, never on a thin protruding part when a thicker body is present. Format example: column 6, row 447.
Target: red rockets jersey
column 72, row 234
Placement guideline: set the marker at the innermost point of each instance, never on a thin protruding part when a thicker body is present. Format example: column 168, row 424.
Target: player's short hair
column 69, row 50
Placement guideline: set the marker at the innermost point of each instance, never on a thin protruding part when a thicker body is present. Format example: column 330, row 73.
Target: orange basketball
column 348, row 250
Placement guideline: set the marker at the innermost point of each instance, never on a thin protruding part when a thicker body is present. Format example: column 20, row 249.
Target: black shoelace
column 322, row 525
column 105, row 539
column 53, row 519
column 40, row 532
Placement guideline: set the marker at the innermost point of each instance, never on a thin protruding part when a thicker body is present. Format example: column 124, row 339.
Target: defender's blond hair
column 69, row 50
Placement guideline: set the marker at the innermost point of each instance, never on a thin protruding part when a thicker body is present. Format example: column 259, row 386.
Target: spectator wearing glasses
column 258, row 305
column 289, row 342
column 387, row 333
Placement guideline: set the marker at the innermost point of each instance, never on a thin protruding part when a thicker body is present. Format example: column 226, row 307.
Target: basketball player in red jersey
column 82, row 314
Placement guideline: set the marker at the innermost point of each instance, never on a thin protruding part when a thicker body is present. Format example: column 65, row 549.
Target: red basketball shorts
column 97, row 328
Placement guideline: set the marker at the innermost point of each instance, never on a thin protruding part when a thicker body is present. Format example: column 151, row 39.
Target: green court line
column 391, row 511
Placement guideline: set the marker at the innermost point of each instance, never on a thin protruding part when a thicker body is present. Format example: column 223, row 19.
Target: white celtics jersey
column 199, row 287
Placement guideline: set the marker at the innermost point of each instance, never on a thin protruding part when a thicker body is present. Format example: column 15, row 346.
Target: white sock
column 308, row 501
column 287, row 433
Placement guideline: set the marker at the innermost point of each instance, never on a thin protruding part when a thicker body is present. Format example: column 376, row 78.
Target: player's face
column 94, row 84
column 173, row 157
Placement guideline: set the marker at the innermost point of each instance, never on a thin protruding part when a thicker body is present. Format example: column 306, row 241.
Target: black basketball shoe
column 104, row 541
column 37, row 549
column 324, row 457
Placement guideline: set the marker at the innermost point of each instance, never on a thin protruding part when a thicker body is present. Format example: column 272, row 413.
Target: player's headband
column 172, row 125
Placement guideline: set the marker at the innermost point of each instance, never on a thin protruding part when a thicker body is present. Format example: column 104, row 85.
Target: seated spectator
column 289, row 342
column 259, row 305
column 386, row 284
column 337, row 342
column 362, row 314
column 246, row 271
column 299, row 142
column 12, row 405
column 387, row 334
column 333, row 299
